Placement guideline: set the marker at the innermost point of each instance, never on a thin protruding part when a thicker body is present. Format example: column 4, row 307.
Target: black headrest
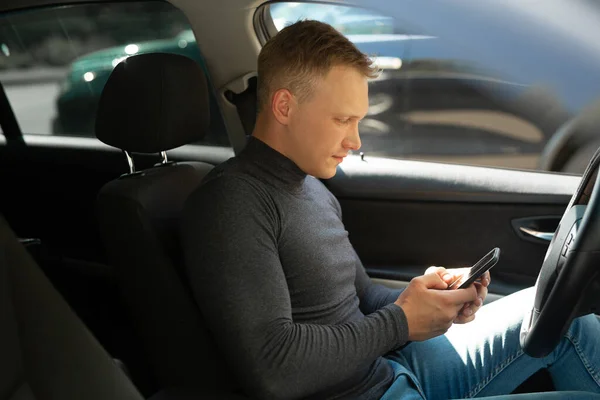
column 152, row 103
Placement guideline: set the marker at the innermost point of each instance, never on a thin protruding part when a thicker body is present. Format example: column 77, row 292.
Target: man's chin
column 328, row 174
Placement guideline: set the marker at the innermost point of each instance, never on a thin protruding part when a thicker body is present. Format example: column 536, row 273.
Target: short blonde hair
column 300, row 54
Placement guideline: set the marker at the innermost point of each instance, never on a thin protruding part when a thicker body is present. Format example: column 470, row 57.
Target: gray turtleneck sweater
column 281, row 287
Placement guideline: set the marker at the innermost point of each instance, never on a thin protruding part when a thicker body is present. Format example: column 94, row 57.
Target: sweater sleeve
column 229, row 235
column 372, row 296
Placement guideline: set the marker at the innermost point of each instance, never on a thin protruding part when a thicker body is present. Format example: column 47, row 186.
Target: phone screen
column 480, row 267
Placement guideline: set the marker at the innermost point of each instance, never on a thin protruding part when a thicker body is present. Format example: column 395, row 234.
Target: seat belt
column 245, row 103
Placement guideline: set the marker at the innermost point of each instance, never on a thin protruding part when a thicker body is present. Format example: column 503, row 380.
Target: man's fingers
column 433, row 281
column 461, row 296
column 482, row 290
column 455, row 273
column 442, row 273
column 471, row 308
column 462, row 319
column 450, row 275
column 486, row 279
column 434, row 270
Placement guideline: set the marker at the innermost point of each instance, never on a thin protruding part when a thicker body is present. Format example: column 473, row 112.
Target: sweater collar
column 282, row 171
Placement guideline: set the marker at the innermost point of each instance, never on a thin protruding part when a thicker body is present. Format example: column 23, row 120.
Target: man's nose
column 352, row 141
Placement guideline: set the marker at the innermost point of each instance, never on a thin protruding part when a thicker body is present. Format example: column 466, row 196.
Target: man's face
column 324, row 128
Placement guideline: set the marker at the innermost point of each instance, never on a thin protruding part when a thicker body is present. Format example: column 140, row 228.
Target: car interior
column 94, row 300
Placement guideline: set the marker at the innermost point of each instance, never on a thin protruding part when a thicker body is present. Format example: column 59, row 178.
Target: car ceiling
column 233, row 22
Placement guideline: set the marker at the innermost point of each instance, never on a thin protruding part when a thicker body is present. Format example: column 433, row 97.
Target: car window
column 437, row 100
column 55, row 61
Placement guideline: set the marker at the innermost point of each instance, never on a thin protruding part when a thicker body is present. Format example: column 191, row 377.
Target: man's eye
column 343, row 121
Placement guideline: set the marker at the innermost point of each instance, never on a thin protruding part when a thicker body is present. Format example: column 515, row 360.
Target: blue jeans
column 484, row 358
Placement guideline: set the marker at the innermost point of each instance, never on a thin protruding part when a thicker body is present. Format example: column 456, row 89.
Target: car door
column 404, row 216
column 478, row 94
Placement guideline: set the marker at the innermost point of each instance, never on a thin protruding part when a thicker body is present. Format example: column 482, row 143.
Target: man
column 283, row 291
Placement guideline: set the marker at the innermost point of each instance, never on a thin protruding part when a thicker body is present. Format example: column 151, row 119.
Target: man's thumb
column 433, row 281
column 435, row 269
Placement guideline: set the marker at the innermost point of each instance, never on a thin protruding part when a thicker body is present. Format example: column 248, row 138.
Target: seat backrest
column 46, row 352
column 150, row 104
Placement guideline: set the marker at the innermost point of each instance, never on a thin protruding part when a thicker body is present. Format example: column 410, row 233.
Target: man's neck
column 270, row 133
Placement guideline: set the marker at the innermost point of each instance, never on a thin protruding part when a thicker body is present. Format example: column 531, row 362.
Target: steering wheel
column 568, row 279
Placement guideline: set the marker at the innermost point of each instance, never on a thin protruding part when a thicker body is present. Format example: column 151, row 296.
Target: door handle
column 537, row 229
column 537, row 234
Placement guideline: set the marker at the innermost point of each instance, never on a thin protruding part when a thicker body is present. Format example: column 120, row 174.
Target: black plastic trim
column 8, row 120
column 402, row 180
column 190, row 152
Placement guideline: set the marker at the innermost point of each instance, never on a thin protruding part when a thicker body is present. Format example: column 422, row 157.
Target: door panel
column 403, row 216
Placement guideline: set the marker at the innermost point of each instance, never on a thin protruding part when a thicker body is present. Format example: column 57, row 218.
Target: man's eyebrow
column 350, row 116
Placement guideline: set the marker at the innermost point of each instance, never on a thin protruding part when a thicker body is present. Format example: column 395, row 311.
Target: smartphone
column 480, row 267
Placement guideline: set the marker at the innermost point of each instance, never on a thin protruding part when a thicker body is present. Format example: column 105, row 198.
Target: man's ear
column 281, row 105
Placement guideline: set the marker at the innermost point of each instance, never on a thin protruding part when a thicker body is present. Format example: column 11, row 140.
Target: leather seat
column 150, row 104
column 46, row 351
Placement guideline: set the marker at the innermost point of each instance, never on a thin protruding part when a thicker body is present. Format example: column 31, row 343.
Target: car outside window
column 438, row 100
column 55, row 61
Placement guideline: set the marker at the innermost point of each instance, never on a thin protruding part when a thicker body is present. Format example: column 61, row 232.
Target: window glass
column 55, row 61
column 484, row 96
column 348, row 20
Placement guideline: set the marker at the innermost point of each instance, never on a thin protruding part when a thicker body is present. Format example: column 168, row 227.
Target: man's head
column 312, row 93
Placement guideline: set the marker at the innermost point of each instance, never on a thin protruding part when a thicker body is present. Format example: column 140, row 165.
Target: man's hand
column 467, row 314
column 430, row 309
